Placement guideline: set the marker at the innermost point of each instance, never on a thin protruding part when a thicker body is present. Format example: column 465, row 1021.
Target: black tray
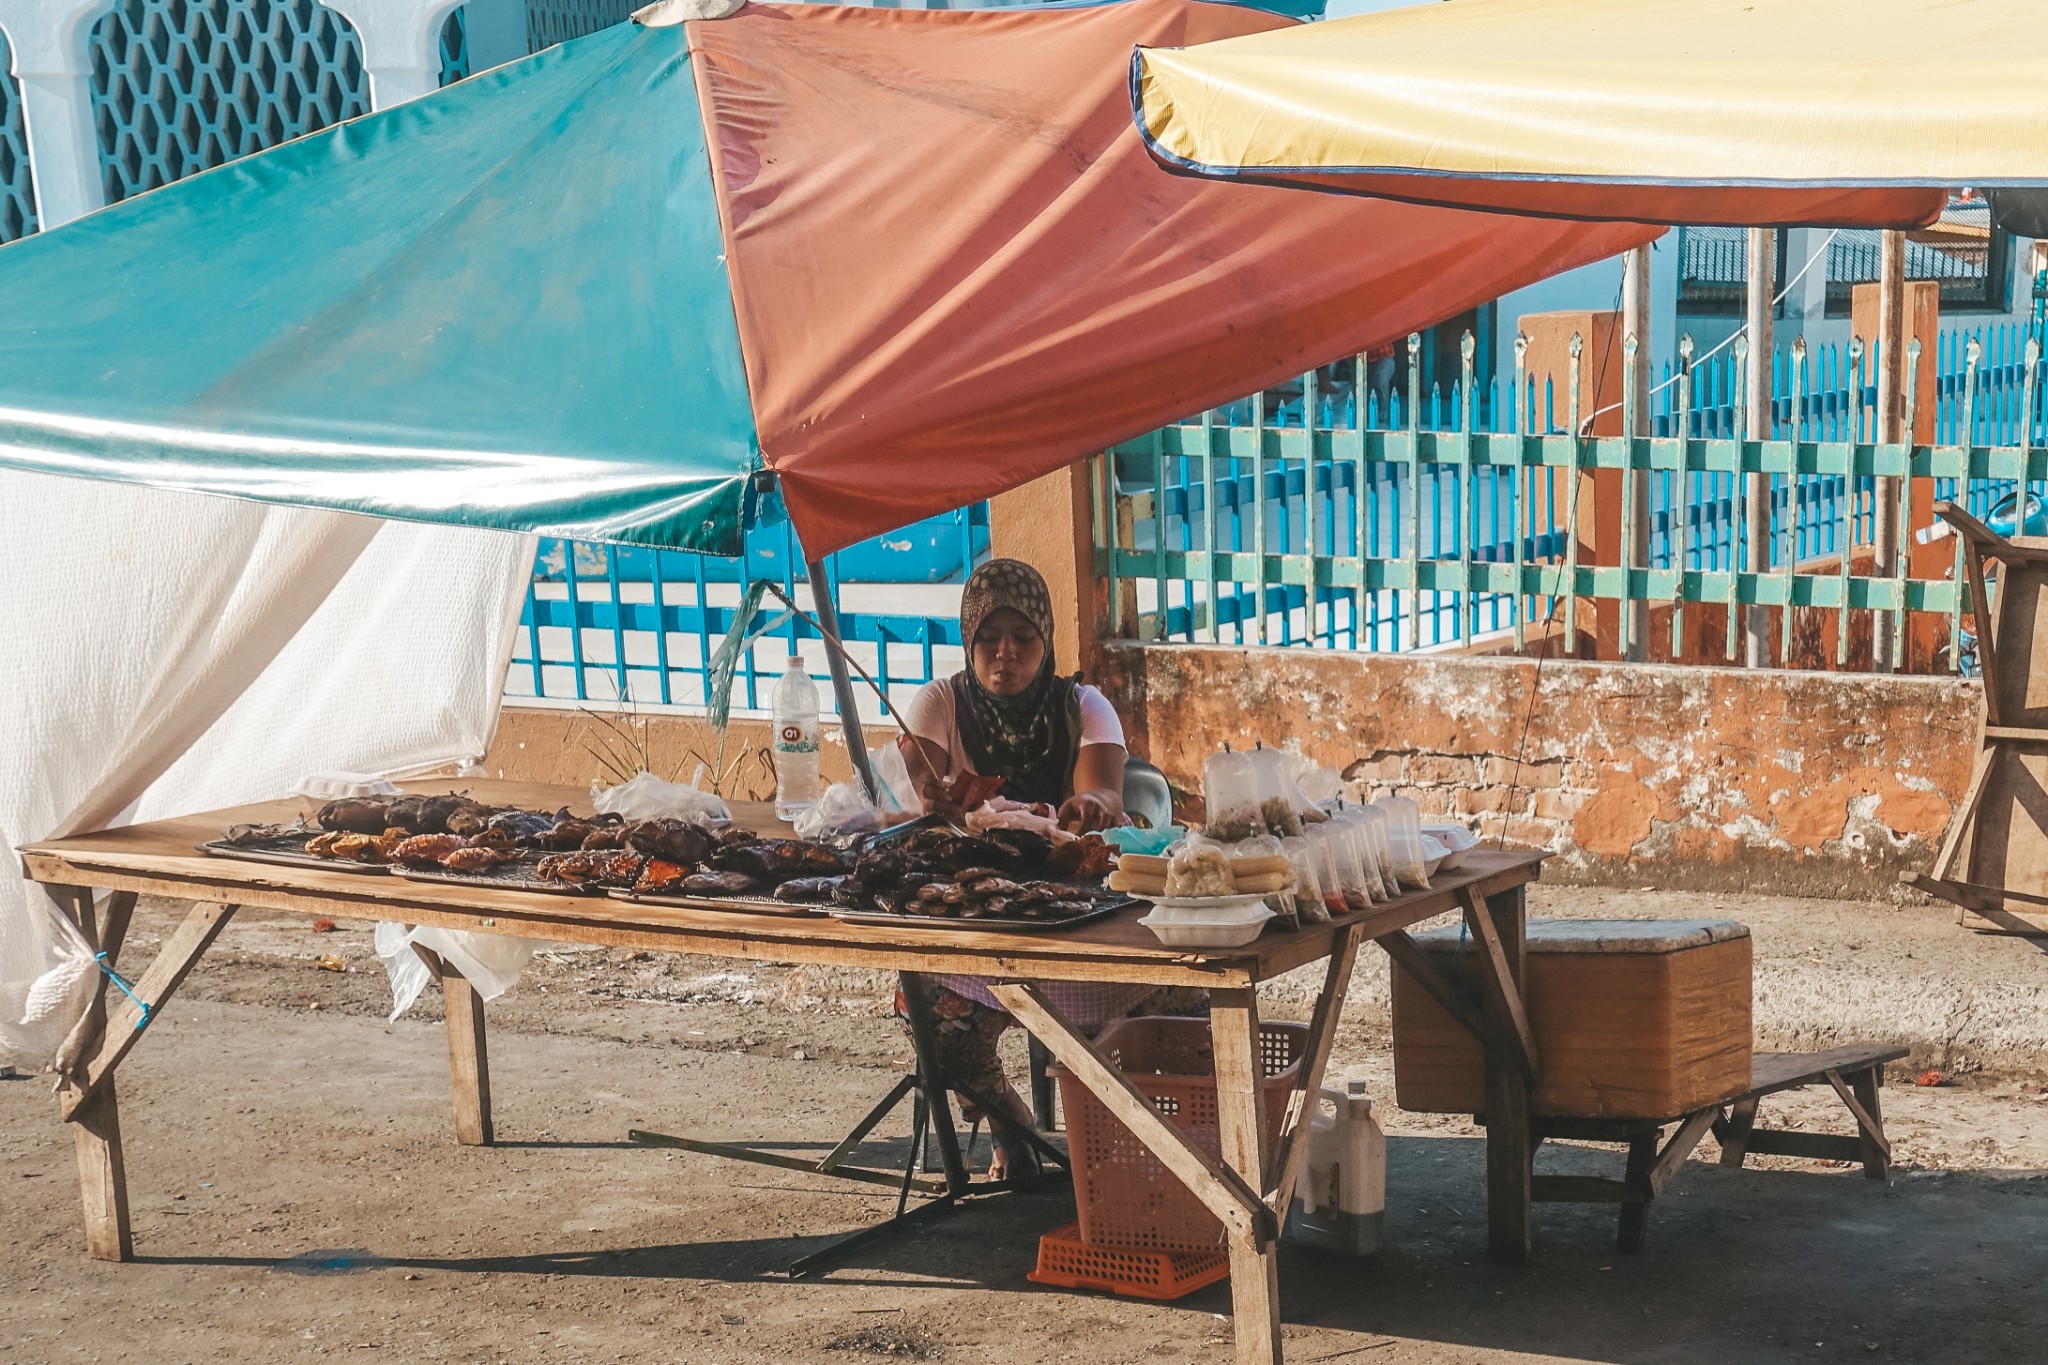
column 289, row 851
column 745, row 905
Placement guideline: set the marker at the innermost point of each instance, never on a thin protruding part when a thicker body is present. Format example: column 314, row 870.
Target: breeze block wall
column 1795, row 783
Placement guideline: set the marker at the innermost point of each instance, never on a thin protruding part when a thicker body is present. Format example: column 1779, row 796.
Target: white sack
column 164, row 653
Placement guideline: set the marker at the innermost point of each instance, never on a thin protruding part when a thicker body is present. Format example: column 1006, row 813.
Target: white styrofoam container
column 332, row 786
column 1456, row 840
column 1224, row 922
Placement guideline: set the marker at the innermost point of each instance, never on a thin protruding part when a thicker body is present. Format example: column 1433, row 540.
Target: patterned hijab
column 1015, row 736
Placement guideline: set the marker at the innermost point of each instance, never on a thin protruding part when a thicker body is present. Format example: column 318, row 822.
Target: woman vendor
column 1053, row 741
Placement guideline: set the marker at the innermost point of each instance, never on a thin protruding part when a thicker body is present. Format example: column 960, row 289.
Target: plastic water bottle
column 796, row 741
column 1340, row 1201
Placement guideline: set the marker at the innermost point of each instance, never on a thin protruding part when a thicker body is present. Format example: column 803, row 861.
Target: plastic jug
column 1340, row 1201
column 796, row 741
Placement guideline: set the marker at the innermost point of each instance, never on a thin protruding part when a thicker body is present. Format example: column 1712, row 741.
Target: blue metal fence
column 611, row 624
column 1201, row 493
column 17, row 181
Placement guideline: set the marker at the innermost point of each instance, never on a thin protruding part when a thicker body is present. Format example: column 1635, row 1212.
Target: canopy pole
column 1759, row 292
column 842, row 681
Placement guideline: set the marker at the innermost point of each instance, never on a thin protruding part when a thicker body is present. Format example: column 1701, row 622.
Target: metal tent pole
column 1635, row 313
column 1891, row 424
column 842, row 680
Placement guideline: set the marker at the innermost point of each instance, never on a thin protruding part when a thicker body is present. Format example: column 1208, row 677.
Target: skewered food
column 675, row 841
column 719, row 884
column 353, row 815
column 426, row 850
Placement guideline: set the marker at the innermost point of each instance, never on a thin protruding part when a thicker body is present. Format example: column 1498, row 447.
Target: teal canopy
column 396, row 316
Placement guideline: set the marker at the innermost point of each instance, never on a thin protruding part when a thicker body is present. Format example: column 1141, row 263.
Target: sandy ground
column 297, row 1194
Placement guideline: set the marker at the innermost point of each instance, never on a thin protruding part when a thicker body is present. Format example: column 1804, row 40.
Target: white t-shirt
column 930, row 717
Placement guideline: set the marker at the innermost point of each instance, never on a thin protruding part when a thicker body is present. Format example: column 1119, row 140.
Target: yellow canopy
column 1743, row 112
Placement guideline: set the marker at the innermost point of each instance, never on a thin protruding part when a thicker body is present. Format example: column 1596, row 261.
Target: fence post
column 1598, row 491
column 1048, row 523
column 1635, row 312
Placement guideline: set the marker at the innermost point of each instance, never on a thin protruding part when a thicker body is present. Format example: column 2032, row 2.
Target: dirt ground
column 297, row 1194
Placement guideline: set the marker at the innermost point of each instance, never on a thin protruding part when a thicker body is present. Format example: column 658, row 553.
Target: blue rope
column 126, row 989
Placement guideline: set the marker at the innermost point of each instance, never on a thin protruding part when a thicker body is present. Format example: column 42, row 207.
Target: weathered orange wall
column 1709, row 778
column 546, row 744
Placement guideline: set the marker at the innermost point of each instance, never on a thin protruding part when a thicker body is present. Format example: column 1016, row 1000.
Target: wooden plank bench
column 1856, row 1072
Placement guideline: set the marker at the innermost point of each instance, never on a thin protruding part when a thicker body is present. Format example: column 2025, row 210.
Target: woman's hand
column 1084, row 812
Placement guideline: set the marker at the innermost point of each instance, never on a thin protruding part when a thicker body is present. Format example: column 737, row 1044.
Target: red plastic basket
column 1126, row 1197
column 1067, row 1261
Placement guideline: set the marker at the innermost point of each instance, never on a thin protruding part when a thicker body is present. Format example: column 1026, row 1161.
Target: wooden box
column 1633, row 1019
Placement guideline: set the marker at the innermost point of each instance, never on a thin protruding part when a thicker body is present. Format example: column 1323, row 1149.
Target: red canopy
column 956, row 268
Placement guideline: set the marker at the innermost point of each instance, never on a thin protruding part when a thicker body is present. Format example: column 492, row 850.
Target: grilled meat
column 808, row 889
column 658, row 875
column 674, row 841
column 353, row 815
column 473, row 858
column 468, row 819
column 519, row 824
column 426, row 850
column 719, row 884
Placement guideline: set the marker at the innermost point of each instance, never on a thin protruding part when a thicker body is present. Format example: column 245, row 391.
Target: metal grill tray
column 1022, row 926
column 290, row 852
column 742, row 905
column 504, row 877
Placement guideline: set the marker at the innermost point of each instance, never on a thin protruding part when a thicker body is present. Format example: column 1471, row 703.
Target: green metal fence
column 1343, row 536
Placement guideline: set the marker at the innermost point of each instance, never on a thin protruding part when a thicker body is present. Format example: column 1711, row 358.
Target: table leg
column 469, row 1057
column 1510, row 1151
column 96, row 1124
column 1254, row 1264
column 102, row 1176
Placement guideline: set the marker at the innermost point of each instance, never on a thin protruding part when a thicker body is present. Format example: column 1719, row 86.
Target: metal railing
column 1466, row 522
column 612, row 625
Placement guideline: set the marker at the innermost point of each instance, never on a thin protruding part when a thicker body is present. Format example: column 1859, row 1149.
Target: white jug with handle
column 1340, row 1200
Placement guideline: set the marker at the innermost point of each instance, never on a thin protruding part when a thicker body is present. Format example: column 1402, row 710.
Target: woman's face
column 1008, row 651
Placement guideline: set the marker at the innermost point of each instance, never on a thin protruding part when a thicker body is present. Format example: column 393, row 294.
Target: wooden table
column 1248, row 1190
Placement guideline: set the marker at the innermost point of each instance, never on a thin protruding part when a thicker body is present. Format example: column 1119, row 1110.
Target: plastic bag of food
column 1230, row 785
column 1319, row 786
column 1307, row 900
column 1323, row 860
column 1356, row 827
column 1279, row 811
column 1404, row 841
column 647, row 797
column 1346, row 851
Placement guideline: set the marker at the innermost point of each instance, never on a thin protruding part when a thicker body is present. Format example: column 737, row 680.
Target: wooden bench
column 1856, row 1072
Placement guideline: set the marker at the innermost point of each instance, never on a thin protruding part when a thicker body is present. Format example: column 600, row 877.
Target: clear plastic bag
column 647, row 797
column 1356, row 828
column 489, row 962
column 1307, row 901
column 1324, row 860
column 1404, row 841
column 843, row 809
column 1230, row 786
column 1279, row 803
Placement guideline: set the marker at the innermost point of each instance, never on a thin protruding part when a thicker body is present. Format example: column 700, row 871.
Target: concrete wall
column 1702, row 778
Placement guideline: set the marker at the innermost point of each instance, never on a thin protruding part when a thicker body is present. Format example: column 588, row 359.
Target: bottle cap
column 1355, row 1088
column 794, row 661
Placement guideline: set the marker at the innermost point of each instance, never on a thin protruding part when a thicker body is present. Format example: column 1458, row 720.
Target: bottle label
column 790, row 740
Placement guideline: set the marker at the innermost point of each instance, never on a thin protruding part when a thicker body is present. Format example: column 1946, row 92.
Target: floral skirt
column 966, row 1034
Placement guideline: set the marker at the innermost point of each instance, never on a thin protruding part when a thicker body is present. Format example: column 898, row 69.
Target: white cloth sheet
column 163, row 653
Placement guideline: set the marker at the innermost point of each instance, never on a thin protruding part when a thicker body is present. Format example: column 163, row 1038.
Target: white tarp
column 163, row 653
